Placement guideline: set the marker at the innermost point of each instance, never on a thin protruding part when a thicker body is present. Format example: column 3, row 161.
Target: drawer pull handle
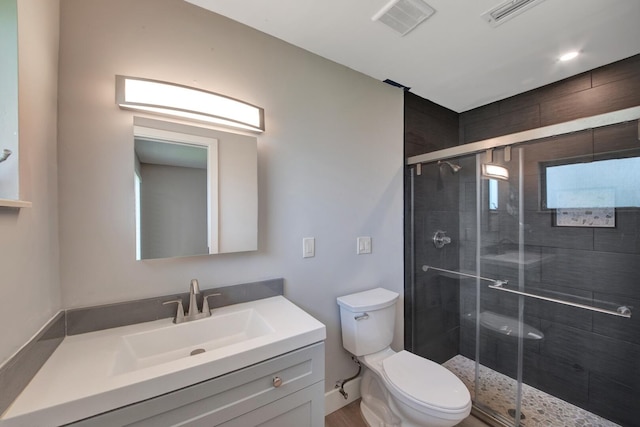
column 277, row 382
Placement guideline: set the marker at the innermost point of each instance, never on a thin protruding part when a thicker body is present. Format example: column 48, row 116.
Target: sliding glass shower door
column 524, row 269
column 495, row 318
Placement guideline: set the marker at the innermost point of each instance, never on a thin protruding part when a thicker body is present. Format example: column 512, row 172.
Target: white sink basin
column 190, row 339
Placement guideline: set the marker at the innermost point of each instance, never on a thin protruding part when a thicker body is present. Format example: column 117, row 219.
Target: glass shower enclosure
column 523, row 275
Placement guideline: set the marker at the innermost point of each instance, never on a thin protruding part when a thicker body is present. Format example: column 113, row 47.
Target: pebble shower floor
column 540, row 409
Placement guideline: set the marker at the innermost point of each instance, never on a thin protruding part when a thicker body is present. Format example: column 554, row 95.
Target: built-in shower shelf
column 8, row 203
column 506, row 325
column 512, row 258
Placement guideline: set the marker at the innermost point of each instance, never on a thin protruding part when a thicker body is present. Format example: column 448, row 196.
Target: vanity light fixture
column 171, row 99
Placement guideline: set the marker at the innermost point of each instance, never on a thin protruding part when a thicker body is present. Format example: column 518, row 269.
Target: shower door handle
column 622, row 311
column 500, row 285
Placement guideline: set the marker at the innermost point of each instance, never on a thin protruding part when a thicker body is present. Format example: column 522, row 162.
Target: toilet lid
column 420, row 381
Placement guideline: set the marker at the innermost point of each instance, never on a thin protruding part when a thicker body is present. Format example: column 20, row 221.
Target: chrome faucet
column 194, row 291
column 194, row 313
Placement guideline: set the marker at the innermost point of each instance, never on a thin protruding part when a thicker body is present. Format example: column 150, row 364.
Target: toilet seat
column 425, row 385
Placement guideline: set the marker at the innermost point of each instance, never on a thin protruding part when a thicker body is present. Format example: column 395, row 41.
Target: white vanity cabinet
column 287, row 390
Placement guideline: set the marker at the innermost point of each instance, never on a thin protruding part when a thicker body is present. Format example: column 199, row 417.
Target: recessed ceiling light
column 569, row 56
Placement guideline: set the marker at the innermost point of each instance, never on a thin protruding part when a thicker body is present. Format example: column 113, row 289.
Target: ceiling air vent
column 403, row 16
column 507, row 10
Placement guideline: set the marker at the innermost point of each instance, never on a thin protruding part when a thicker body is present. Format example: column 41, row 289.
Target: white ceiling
column 455, row 58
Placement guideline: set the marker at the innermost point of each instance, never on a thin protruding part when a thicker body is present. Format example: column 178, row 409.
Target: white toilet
column 398, row 389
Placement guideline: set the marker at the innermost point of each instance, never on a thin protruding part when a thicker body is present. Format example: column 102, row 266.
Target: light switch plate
column 308, row 247
column 363, row 245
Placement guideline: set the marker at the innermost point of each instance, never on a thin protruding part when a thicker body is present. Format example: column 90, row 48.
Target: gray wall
column 330, row 163
column 29, row 285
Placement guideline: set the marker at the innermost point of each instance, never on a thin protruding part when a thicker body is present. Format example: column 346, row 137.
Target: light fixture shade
column 495, row 171
column 186, row 102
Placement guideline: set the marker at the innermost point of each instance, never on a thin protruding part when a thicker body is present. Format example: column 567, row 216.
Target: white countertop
column 79, row 380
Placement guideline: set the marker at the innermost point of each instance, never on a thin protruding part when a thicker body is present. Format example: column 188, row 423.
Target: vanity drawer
column 304, row 408
column 224, row 398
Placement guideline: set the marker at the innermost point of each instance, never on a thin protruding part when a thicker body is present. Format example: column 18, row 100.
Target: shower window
column 598, row 184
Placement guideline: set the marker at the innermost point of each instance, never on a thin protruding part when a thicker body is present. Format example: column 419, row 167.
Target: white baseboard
column 333, row 400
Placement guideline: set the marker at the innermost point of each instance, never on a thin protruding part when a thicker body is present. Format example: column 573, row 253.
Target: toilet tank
column 367, row 319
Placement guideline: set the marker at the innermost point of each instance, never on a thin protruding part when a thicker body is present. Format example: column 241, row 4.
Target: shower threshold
column 539, row 408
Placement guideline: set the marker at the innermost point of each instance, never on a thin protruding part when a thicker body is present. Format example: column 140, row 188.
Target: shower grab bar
column 622, row 311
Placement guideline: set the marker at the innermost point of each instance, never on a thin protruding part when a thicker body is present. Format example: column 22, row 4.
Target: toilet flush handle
column 363, row 316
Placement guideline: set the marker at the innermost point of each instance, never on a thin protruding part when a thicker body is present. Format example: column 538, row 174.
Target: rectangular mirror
column 196, row 190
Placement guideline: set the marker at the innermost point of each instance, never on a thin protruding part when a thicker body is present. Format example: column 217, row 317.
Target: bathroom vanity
column 249, row 364
column 287, row 390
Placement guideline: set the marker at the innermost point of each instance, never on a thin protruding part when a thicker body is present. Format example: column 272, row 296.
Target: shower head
column 454, row 168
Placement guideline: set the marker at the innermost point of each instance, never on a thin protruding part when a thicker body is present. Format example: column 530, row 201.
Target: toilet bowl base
column 372, row 419
column 380, row 409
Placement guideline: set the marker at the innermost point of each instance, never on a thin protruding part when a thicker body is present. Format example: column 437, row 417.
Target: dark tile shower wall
column 589, row 359
column 432, row 318
column 427, row 126
column 610, row 88
column 436, row 314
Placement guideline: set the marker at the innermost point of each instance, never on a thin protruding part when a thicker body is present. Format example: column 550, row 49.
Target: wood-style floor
column 349, row 416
